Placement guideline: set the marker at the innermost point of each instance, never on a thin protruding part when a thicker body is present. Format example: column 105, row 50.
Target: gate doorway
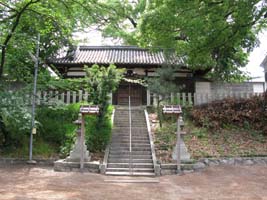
column 136, row 91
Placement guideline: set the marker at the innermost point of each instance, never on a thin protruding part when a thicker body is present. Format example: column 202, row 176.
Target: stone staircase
column 119, row 162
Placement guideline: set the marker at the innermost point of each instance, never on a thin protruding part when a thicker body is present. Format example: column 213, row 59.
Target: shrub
column 56, row 127
column 98, row 131
column 248, row 113
column 56, row 122
column 15, row 124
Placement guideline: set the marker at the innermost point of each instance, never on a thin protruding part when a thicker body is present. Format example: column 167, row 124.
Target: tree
column 101, row 81
column 21, row 20
column 211, row 35
column 162, row 85
column 119, row 19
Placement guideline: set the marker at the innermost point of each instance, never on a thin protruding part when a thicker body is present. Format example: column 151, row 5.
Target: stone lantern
column 75, row 154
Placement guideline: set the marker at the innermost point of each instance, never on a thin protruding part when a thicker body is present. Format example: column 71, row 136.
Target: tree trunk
column 3, row 55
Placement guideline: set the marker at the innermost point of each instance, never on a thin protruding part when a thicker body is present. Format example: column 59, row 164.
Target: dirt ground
column 221, row 182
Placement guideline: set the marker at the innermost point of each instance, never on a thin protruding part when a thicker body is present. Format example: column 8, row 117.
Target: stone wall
column 165, row 169
column 168, row 169
column 214, row 88
column 63, row 166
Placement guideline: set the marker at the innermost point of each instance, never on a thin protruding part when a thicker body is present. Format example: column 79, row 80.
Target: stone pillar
column 75, row 154
column 110, row 98
column 148, row 97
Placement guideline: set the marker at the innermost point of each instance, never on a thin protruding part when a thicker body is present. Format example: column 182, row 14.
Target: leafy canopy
column 21, row 20
column 212, row 35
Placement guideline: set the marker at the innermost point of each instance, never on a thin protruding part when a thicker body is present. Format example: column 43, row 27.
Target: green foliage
column 214, row 36
column 200, row 132
column 121, row 19
column 163, row 85
column 208, row 34
column 56, row 122
column 20, row 21
column 56, row 126
column 102, row 81
column 98, row 132
column 15, row 117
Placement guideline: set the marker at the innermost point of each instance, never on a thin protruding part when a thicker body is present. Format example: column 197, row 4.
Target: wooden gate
column 133, row 90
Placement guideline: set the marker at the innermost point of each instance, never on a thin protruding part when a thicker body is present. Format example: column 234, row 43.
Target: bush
column 56, row 127
column 15, row 125
column 55, row 131
column 248, row 113
column 56, row 122
column 98, row 131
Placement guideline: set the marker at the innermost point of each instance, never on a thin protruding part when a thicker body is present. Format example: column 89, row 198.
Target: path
column 224, row 182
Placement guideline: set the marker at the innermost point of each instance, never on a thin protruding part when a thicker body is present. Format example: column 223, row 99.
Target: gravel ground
column 221, row 182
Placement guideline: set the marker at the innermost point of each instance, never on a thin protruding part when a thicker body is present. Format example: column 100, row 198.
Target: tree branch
column 10, row 34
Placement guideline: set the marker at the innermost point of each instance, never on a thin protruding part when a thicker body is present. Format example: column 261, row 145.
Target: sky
column 256, row 58
column 94, row 38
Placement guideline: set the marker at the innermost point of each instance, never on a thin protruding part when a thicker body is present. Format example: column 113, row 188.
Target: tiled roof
column 116, row 55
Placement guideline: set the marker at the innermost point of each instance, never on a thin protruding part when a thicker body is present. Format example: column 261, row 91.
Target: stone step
column 127, row 138
column 127, row 129
column 146, row 174
column 127, row 132
column 127, row 125
column 132, row 169
column 125, row 120
column 126, row 156
column 118, row 111
column 126, row 148
column 125, row 115
column 135, row 153
column 126, row 141
column 127, row 160
column 119, row 155
column 137, row 145
column 123, row 126
column 127, row 145
column 127, row 165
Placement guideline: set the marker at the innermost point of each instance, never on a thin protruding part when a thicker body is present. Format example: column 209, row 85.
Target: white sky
column 256, row 58
column 94, row 38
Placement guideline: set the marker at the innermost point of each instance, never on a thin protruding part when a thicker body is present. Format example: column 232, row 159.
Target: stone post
column 75, row 154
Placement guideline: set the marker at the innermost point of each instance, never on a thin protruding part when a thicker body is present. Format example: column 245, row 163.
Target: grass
column 41, row 150
column 227, row 142
column 201, row 142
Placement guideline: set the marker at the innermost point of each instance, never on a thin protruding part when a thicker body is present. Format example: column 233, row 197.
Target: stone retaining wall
column 168, row 169
column 24, row 161
column 165, row 169
column 63, row 166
